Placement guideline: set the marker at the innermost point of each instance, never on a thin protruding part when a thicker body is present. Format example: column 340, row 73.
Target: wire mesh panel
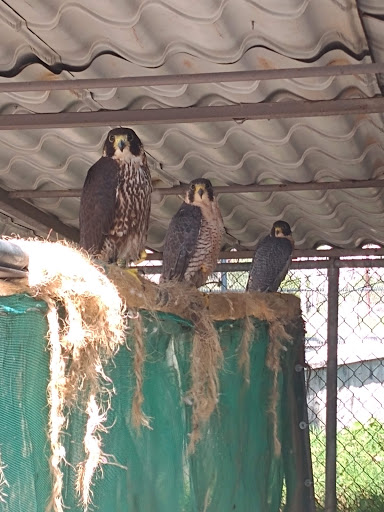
column 360, row 415
column 360, row 418
column 361, row 389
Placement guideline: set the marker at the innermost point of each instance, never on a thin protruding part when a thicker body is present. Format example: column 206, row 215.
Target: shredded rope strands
column 206, row 361
column 56, row 392
column 90, row 332
column 3, row 482
column 277, row 335
column 244, row 361
column 138, row 417
column 206, row 355
column 141, row 293
column 95, row 456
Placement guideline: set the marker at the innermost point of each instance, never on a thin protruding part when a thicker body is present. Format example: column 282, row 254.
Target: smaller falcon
column 193, row 241
column 116, row 200
column 272, row 259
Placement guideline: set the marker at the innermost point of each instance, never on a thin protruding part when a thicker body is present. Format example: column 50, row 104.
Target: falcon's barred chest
column 133, row 198
column 204, row 260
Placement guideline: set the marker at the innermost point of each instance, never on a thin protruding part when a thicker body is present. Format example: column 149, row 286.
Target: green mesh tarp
column 234, row 467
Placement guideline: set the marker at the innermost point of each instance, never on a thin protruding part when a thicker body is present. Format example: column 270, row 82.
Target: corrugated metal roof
column 372, row 16
column 93, row 39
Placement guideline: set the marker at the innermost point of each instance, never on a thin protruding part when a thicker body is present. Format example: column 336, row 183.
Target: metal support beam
column 31, row 216
column 307, row 265
column 297, row 253
column 44, row 194
column 196, row 78
column 295, row 442
column 227, row 189
column 337, row 253
column 313, row 264
column 238, row 113
column 331, row 413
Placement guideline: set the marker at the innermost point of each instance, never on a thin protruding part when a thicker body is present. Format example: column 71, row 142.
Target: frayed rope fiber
column 89, row 332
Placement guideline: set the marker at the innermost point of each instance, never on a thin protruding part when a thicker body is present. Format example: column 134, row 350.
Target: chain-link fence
column 360, row 372
column 360, row 369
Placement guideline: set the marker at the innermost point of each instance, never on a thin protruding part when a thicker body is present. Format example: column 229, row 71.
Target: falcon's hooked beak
column 200, row 189
column 279, row 233
column 120, row 142
column 199, row 192
column 282, row 229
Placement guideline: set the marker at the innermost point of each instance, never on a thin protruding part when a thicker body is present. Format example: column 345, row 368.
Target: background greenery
column 360, row 467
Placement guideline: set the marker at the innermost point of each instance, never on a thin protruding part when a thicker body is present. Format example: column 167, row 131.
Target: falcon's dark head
column 199, row 191
column 123, row 144
column 281, row 229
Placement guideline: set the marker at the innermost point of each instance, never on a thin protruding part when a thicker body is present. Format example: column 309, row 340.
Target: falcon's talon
column 134, row 273
column 142, row 257
column 206, row 300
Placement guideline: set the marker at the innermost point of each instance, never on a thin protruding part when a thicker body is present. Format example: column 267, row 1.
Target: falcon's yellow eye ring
column 111, row 138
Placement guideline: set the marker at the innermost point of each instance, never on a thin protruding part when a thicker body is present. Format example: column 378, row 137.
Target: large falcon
column 116, row 200
column 272, row 259
column 193, row 240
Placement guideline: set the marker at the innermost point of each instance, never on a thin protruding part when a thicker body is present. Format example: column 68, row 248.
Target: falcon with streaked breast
column 116, row 200
column 271, row 259
column 193, row 240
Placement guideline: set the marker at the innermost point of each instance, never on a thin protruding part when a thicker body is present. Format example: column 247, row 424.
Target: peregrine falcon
column 116, row 200
column 272, row 259
column 193, row 240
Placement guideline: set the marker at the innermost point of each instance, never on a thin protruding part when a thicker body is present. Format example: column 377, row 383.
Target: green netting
column 234, row 466
column 24, row 364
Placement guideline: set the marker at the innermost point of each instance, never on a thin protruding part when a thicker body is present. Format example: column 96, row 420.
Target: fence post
column 331, row 413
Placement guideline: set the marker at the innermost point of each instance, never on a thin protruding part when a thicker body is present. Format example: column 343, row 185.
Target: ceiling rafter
column 226, row 189
column 31, row 216
column 308, row 264
column 335, row 252
column 195, row 78
column 238, row 113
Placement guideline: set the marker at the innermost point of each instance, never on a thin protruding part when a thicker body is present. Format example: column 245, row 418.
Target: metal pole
column 297, row 253
column 331, row 413
column 215, row 113
column 34, row 218
column 296, row 265
column 223, row 189
column 195, row 78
